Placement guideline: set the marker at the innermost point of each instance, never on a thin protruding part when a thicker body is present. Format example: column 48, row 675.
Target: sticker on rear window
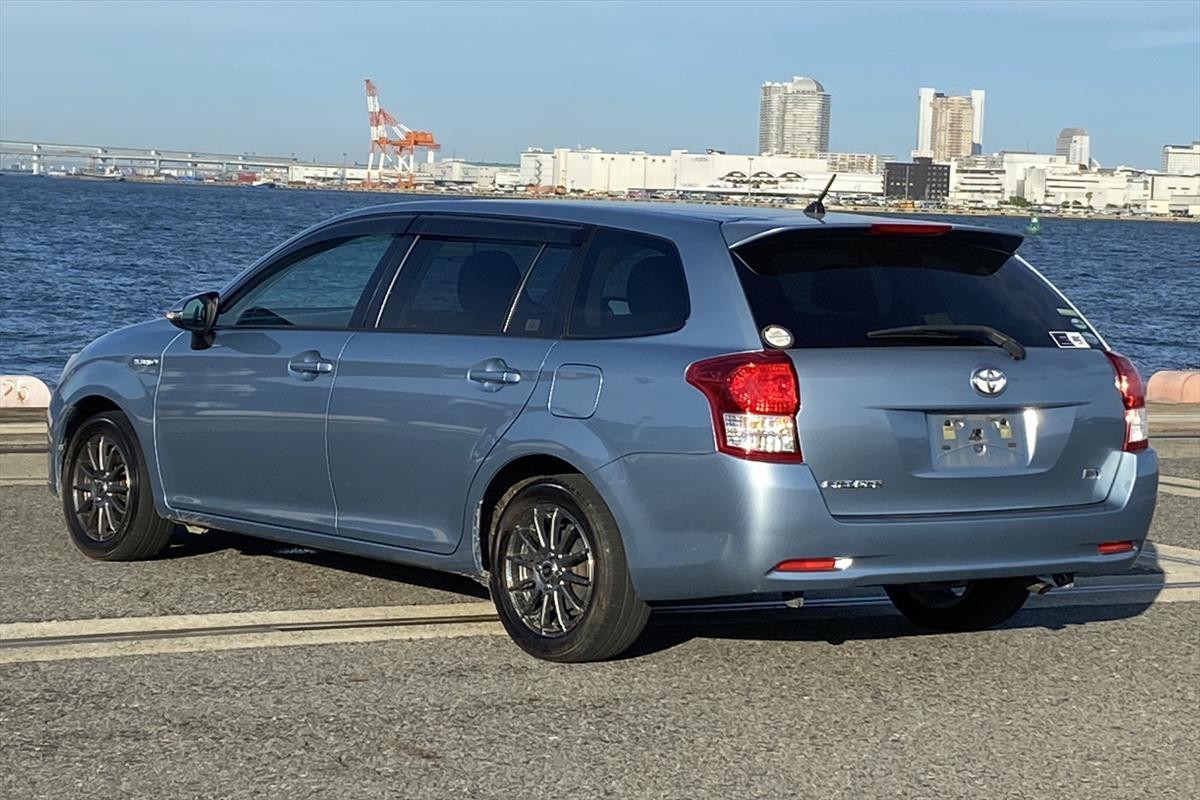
column 1069, row 339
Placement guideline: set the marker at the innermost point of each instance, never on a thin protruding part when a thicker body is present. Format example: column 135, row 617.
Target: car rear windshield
column 832, row 289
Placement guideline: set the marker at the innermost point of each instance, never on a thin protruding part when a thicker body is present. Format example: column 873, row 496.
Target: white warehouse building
column 988, row 181
column 597, row 172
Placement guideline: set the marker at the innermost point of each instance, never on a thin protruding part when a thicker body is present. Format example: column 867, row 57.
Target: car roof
column 739, row 223
column 603, row 212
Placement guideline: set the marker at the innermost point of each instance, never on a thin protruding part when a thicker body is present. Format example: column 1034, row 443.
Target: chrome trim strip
column 395, row 277
column 162, row 361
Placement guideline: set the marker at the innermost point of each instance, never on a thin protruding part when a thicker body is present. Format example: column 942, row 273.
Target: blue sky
column 493, row 78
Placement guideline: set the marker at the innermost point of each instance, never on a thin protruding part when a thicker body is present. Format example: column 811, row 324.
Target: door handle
column 493, row 372
column 309, row 365
column 315, row 367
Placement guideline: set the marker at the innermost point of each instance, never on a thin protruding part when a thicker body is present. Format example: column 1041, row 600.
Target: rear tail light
column 754, row 399
column 1112, row 548
column 1133, row 397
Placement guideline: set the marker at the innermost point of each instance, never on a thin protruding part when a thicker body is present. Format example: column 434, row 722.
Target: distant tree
column 1018, row 201
column 1089, row 199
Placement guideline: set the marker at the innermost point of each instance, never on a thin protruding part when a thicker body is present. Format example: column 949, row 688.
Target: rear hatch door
column 937, row 421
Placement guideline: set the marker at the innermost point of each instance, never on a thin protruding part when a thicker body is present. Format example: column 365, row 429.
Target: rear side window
column 480, row 287
column 630, row 285
column 539, row 308
column 457, row 286
column 832, row 291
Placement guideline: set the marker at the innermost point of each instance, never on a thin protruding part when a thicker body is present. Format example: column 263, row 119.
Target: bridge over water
column 104, row 157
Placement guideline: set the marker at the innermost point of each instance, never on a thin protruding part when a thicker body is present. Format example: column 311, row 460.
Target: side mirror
column 197, row 314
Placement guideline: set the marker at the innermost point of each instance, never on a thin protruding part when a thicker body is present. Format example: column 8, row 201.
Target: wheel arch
column 520, row 468
column 87, row 401
column 83, row 409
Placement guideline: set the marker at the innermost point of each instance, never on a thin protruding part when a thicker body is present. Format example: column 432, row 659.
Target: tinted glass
column 833, row 291
column 319, row 290
column 457, row 286
column 630, row 285
column 539, row 310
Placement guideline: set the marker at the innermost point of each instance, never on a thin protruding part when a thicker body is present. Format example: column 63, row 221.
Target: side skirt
column 455, row 563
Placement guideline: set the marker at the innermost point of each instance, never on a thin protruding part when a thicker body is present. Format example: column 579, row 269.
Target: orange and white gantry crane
column 395, row 145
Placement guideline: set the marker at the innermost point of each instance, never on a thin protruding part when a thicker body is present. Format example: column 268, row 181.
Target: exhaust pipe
column 1059, row 580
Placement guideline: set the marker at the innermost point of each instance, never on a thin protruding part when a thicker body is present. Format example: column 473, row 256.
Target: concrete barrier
column 1171, row 386
column 23, row 391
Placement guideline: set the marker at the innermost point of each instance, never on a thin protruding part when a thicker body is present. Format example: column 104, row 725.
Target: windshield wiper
column 979, row 333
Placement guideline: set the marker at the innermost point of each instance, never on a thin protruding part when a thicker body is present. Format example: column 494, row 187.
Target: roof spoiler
column 739, row 233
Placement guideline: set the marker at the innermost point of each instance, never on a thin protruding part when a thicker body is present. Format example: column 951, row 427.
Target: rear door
column 463, row 333
column 915, row 425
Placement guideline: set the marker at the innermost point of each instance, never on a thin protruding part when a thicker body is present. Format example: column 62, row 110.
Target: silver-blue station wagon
column 601, row 407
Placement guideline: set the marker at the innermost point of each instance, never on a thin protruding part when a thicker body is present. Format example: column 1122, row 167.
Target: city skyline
column 248, row 78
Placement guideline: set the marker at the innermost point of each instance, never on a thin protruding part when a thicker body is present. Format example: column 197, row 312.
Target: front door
column 240, row 425
column 420, row 402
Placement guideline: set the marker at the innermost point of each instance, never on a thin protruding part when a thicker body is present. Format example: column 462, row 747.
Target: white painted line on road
column 22, row 481
column 50, row 641
column 283, row 638
column 1190, row 483
column 182, row 622
column 1184, row 487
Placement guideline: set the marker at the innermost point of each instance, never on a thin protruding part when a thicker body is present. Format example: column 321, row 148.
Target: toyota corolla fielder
column 602, row 407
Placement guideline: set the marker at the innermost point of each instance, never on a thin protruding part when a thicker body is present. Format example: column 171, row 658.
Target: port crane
column 395, row 145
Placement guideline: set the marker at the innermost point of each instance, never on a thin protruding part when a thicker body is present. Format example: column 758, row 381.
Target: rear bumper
column 710, row 526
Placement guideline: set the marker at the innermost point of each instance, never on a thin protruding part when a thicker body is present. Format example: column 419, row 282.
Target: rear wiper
column 984, row 333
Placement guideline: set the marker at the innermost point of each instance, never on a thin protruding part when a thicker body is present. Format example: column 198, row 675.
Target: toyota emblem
column 988, row 381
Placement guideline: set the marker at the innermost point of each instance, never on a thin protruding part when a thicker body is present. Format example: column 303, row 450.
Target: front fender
column 121, row 368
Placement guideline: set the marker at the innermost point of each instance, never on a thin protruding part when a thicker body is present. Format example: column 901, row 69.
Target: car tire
column 972, row 606
column 559, row 577
column 107, row 501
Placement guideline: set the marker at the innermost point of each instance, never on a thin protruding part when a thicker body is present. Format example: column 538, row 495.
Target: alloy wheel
column 101, row 485
column 549, row 570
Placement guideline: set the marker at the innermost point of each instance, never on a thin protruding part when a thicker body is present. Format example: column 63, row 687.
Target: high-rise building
column 1075, row 145
column 977, row 97
column 793, row 118
column 949, row 126
column 1181, row 159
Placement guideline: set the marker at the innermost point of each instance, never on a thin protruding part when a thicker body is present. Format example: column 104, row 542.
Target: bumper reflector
column 813, row 564
column 1112, row 548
